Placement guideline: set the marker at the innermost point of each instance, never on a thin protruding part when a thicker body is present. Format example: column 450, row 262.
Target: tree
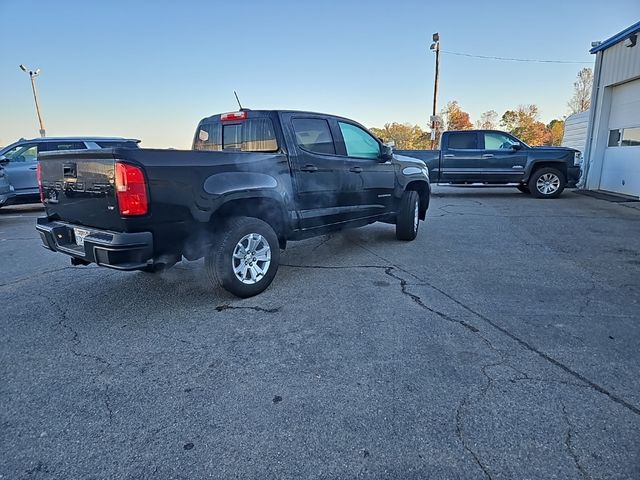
column 581, row 100
column 488, row 120
column 555, row 132
column 455, row 118
column 405, row 136
column 524, row 124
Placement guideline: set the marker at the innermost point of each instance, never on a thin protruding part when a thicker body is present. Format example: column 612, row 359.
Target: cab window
column 314, row 135
column 463, row 141
column 498, row 141
column 358, row 142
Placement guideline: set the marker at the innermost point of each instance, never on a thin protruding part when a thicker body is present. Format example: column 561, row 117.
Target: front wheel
column 409, row 216
column 244, row 258
column 547, row 183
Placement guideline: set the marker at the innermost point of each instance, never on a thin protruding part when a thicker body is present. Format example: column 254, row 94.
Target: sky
column 152, row 69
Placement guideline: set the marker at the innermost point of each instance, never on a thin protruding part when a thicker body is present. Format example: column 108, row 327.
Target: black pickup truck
column 492, row 157
column 253, row 181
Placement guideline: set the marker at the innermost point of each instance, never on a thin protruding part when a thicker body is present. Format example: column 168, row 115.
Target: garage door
column 621, row 166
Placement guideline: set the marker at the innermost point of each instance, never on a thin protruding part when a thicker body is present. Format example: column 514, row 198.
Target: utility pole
column 32, row 75
column 435, row 46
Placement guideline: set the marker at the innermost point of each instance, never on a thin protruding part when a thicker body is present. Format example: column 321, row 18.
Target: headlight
column 577, row 159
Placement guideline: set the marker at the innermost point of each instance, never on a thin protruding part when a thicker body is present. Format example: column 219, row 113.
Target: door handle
column 448, row 155
column 488, row 155
column 309, row 168
column 33, row 168
column 356, row 169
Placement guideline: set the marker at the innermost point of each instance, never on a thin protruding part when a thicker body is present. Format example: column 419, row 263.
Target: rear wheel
column 523, row 188
column 547, row 183
column 244, row 258
column 409, row 216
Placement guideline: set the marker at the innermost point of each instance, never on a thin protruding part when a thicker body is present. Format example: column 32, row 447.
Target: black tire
column 220, row 262
column 406, row 224
column 523, row 188
column 540, row 188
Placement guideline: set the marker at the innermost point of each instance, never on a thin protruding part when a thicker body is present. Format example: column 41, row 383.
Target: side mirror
column 386, row 153
column 516, row 146
column 3, row 160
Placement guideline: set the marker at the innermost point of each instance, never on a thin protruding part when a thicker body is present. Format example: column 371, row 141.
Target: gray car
column 6, row 189
column 20, row 160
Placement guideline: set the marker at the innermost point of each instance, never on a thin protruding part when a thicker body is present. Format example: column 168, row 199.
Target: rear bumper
column 122, row 251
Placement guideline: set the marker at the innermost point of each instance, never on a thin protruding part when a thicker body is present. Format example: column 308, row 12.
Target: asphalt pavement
column 502, row 343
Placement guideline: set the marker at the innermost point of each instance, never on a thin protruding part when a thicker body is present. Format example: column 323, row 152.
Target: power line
column 507, row 59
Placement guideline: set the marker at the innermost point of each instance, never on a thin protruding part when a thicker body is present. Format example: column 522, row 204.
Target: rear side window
column 252, row 135
column 60, row 146
column 314, row 135
column 463, row 141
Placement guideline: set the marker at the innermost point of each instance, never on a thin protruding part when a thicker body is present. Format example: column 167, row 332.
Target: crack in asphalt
column 222, row 308
column 389, row 270
column 75, row 341
column 39, row 274
column 325, row 240
column 463, row 440
column 523, row 343
column 568, row 443
column 107, row 402
column 418, row 300
column 181, row 340
column 543, row 355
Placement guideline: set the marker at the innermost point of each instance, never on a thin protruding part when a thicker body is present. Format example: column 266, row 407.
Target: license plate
column 80, row 233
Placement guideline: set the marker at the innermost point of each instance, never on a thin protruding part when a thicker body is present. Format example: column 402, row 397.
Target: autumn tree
column 488, row 120
column 581, row 100
column 524, row 124
column 405, row 136
column 555, row 132
column 455, row 118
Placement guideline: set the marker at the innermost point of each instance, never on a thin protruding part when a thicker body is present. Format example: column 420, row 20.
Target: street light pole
column 435, row 46
column 32, row 75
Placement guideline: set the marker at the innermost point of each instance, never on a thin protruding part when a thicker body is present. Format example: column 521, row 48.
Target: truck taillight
column 131, row 190
column 39, row 177
column 233, row 116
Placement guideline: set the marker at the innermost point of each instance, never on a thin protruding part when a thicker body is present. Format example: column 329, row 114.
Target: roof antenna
column 237, row 99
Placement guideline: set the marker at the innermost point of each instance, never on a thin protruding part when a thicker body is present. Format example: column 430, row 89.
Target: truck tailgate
column 79, row 188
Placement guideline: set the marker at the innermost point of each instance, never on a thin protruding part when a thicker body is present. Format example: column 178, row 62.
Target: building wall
column 615, row 65
column 620, row 64
column 576, row 130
